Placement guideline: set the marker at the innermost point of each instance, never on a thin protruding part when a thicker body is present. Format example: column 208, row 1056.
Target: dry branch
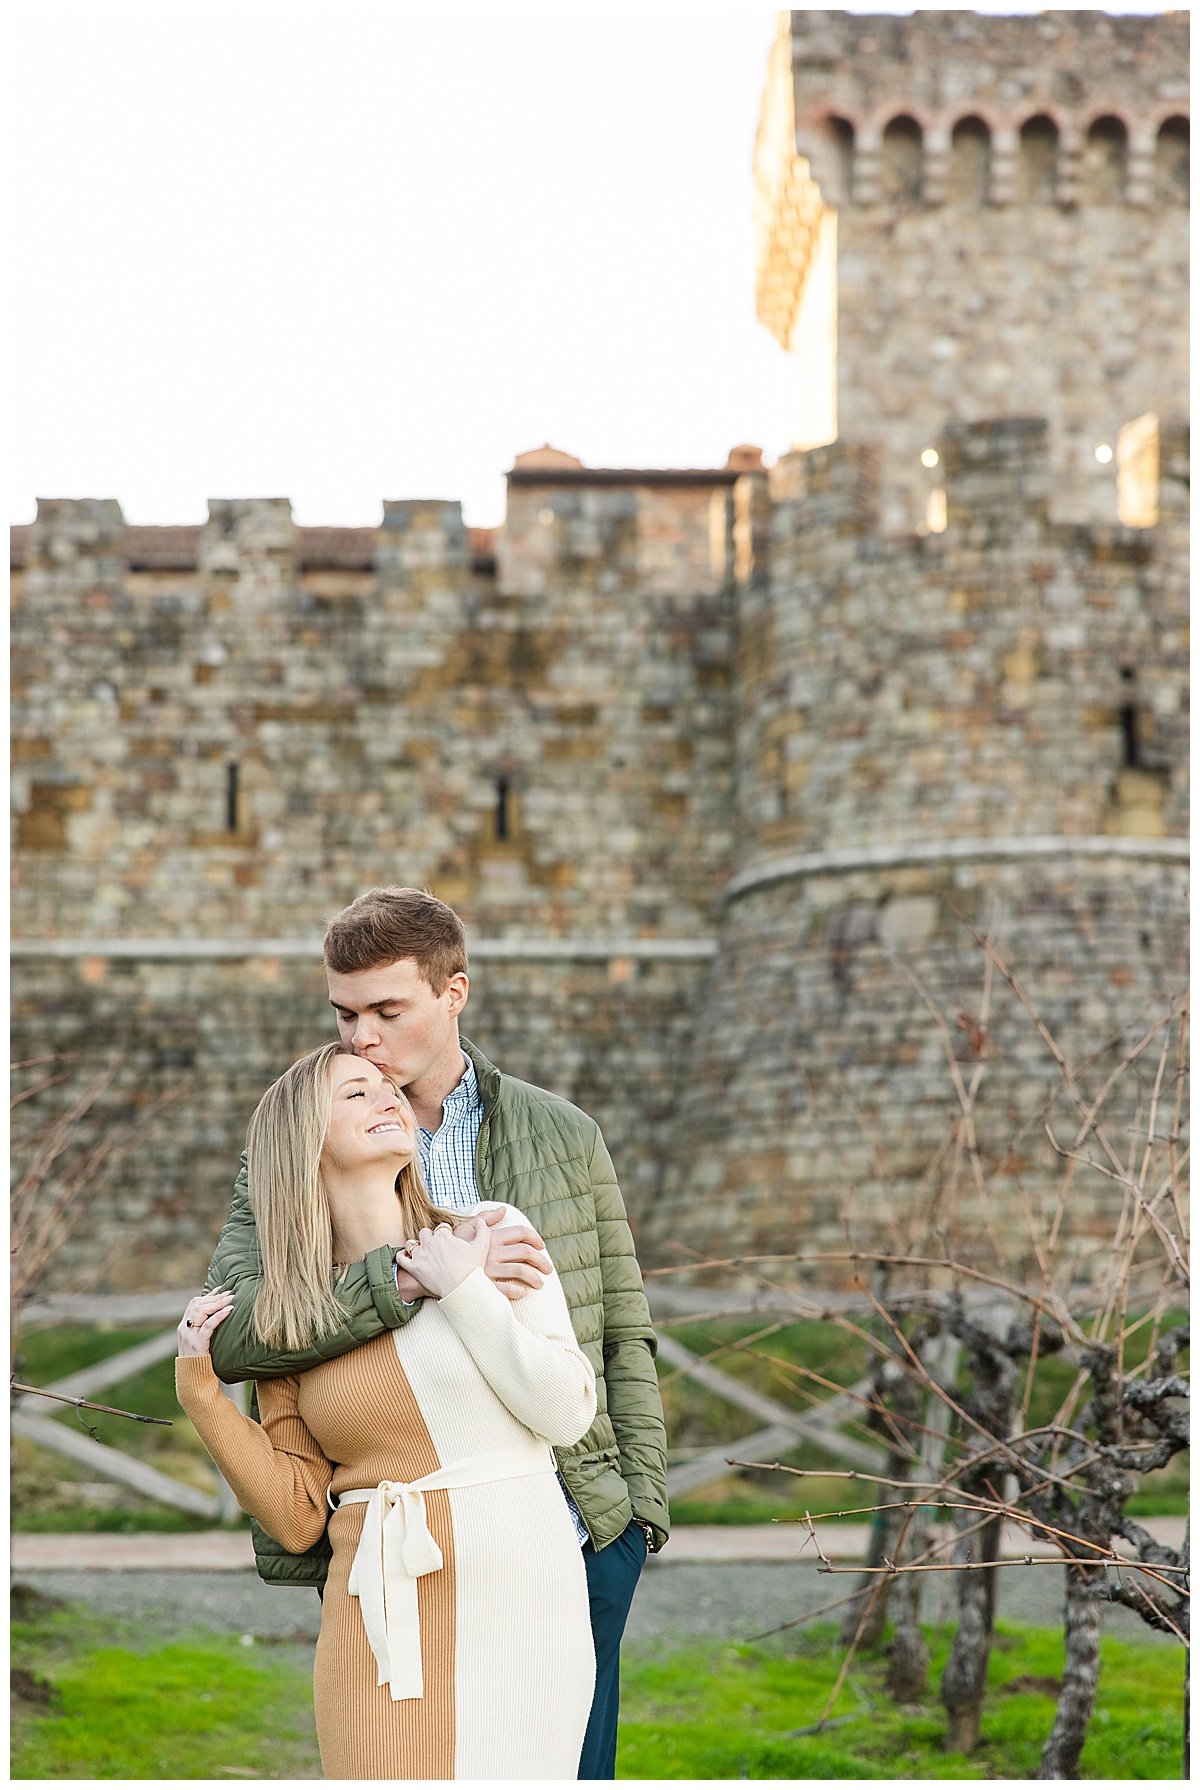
column 86, row 1404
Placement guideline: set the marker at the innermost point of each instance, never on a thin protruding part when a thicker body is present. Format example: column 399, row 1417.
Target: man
column 396, row 967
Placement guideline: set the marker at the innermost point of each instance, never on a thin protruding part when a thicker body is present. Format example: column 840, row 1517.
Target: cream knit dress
column 471, row 1387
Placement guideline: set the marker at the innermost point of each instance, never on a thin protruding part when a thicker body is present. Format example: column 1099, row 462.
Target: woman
column 455, row 1640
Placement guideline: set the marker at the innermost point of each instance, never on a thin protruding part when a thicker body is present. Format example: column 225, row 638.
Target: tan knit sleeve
column 275, row 1469
column 527, row 1352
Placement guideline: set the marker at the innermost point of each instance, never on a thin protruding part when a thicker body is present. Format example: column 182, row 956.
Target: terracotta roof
column 161, row 549
column 624, row 475
column 175, row 549
column 336, row 549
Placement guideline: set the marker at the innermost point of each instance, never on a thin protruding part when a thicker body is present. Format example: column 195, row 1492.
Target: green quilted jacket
column 543, row 1155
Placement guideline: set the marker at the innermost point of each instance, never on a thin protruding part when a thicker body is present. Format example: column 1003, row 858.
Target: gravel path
column 729, row 1601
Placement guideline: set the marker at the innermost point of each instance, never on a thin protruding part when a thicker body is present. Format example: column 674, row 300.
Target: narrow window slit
column 231, row 798
column 1129, row 727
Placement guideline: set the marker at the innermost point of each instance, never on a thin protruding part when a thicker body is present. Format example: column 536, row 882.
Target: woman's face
column 369, row 1119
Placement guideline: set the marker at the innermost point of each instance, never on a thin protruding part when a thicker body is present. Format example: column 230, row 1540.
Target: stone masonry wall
column 382, row 695
column 820, row 1112
column 199, row 1039
column 555, row 754
column 990, row 719
column 1009, row 676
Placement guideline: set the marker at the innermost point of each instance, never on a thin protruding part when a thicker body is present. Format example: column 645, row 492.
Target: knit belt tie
column 396, row 1549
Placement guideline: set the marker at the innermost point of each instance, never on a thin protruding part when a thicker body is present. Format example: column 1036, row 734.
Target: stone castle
column 710, row 761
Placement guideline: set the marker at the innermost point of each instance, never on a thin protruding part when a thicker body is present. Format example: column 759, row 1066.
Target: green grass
column 119, row 1700
column 721, row 1711
column 52, row 1354
column 125, row 1704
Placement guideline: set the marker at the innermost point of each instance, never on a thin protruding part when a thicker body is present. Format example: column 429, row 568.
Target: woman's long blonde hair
column 284, row 1141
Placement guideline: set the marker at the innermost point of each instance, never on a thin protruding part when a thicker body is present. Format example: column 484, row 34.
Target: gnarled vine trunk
column 908, row 1656
column 1081, row 1674
column 994, row 1353
column 965, row 1677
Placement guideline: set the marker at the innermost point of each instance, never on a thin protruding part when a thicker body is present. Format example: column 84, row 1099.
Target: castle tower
column 962, row 659
column 965, row 217
column 988, row 724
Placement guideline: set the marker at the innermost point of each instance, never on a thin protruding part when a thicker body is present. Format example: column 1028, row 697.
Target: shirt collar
column 465, row 1095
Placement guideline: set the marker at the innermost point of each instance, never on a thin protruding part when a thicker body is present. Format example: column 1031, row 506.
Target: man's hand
column 408, row 1287
column 516, row 1261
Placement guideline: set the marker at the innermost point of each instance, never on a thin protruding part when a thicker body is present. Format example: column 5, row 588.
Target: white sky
column 348, row 251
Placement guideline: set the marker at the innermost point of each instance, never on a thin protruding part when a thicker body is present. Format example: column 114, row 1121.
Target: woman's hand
column 200, row 1319
column 441, row 1260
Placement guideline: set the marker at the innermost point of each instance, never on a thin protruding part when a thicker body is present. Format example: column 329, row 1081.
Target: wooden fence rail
column 781, row 1428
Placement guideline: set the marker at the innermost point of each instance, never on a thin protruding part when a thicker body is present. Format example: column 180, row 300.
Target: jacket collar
column 487, row 1075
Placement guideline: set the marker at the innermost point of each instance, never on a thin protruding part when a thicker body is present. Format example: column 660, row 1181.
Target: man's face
column 391, row 1016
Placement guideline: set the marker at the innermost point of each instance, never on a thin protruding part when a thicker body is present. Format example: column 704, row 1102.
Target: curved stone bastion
column 980, row 728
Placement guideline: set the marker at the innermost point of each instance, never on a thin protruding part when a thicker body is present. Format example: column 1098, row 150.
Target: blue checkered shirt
column 448, row 1154
column 448, row 1164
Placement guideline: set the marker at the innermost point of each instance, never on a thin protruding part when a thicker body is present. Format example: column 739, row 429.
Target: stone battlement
column 1066, row 108
column 1069, row 71
column 559, row 511
column 206, row 707
column 670, row 741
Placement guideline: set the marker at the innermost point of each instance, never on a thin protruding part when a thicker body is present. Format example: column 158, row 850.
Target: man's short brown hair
column 386, row 924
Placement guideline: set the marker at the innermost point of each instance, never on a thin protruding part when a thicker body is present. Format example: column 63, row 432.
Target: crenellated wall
column 236, row 742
